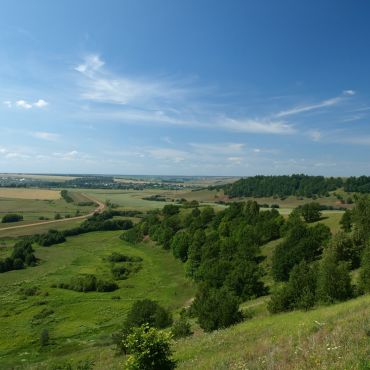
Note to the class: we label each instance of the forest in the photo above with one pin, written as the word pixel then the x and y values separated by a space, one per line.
pixel 297 184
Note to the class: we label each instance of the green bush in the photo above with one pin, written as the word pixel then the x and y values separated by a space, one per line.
pixel 11 217
pixel 149 349
pixel 216 308
pixel 181 328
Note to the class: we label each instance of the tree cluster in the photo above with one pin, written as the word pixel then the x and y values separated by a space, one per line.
pixel 22 255
pixel 220 252
pixel 268 186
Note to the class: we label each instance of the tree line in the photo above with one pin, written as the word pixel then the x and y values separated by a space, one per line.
pixel 297 185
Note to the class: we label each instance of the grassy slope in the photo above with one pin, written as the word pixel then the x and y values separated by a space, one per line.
pixel 334 337
pixel 81 320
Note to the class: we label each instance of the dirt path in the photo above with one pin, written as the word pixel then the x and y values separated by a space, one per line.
pixel 99 209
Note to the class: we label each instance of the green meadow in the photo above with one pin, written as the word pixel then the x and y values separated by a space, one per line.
pixel 79 319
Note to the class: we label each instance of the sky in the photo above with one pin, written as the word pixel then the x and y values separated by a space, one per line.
pixel 195 87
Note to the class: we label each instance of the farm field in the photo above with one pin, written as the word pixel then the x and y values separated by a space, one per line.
pixel 28 193
pixel 81 319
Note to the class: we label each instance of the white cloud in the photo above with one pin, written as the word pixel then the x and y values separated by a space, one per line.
pixel 258 126
pixel 307 108
pixel 45 135
pixel 349 92
pixel 41 103
pixel 23 104
pixel 92 64
pixel 100 85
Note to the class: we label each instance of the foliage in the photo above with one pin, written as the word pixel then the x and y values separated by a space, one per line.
pixel 298 293
pixel 268 186
pixel 50 238
pixel 364 280
pixel 346 221
pixel 22 255
pixel 149 349
pixel 311 212
pixel 216 308
pixel 44 338
pixel 88 283
pixel 142 312
pixel 11 217
pixel 181 328
pixel 65 195
pixel 334 280
pixel 301 243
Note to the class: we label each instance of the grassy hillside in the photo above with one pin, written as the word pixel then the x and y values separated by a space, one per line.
pixel 77 320
pixel 335 337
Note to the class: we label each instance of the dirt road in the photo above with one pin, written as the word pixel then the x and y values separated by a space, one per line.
pixel 99 209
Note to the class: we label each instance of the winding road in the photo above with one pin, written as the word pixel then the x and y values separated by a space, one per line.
pixel 99 209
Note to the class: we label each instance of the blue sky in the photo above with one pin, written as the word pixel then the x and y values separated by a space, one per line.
pixel 191 87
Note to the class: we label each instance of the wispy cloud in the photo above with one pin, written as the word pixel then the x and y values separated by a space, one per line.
pixel 168 154
pixel 50 136
pixel 100 85
pixel 258 126
pixel 349 92
pixel 307 108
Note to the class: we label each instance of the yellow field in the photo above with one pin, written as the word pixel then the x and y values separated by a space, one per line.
pixel 20 193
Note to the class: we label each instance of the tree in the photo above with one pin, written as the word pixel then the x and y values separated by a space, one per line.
pixel 364 281
pixel 343 248
pixel 11 217
pixel 180 245
pixel 311 212
pixel 346 221
pixel 298 293
pixel 334 280
pixel 149 349
pixel 216 308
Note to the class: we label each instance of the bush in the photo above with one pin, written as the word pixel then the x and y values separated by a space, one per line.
pixel 334 280
pixel 142 312
pixel 50 238
pixel 11 217
pixel 88 283
pixel 149 349
pixel 181 328
pixel 216 308
pixel 364 281
pixel 298 293
pixel 44 338
pixel 311 212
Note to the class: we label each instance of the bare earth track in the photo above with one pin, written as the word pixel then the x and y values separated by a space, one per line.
pixel 99 209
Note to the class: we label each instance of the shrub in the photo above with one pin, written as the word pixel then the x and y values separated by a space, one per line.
pixel 142 312
pixel 181 328
pixel 51 237
pixel 44 338
pixel 11 217
pixel 88 283
pixel 334 280
pixel 149 349
pixel 364 281
pixel 216 308
pixel 298 293
pixel 311 212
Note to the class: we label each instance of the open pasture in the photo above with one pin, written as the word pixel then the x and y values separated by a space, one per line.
pixel 81 319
